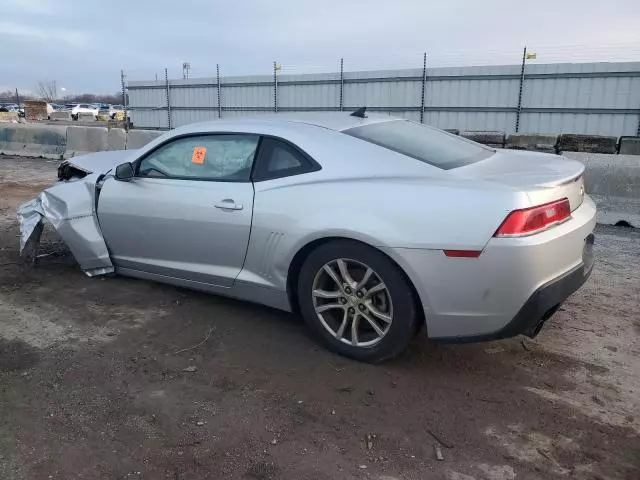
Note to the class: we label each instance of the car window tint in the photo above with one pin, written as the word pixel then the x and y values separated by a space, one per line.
pixel 203 157
pixel 281 159
pixel 424 143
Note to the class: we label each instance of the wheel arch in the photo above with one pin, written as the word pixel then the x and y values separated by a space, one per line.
pixel 303 253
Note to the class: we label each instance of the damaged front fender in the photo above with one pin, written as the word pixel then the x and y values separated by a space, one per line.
pixel 71 208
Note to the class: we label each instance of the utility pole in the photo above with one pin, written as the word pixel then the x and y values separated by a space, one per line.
pixel 17 98
pixel 55 91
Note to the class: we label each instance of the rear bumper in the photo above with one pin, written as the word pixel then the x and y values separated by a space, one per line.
pixel 520 278
pixel 541 306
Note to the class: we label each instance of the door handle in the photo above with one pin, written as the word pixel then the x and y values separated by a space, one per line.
pixel 228 204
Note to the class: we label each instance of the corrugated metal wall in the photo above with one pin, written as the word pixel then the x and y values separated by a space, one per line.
pixel 593 98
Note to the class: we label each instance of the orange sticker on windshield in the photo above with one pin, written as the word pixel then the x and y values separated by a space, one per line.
pixel 198 155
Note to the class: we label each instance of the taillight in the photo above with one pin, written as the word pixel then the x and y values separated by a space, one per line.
pixel 535 219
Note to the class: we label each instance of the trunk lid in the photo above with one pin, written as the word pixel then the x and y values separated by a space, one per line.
pixel 543 177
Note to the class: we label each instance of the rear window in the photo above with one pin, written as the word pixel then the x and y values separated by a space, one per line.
pixel 424 143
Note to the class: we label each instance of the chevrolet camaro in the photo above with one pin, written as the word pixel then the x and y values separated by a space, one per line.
pixel 368 226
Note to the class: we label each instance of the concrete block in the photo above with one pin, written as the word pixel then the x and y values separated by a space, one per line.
pixel 571 142
pixel 613 181
pixel 60 116
pixel 86 117
pixel 116 139
pixel 139 138
pixel 493 139
pixel 103 118
pixel 28 140
pixel 629 146
pixel 82 140
pixel 540 142
pixel 8 116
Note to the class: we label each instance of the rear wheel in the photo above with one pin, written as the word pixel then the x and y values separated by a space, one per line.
pixel 357 301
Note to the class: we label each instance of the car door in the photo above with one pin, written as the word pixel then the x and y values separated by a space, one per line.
pixel 187 211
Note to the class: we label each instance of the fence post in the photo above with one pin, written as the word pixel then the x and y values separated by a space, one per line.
pixel 524 60
pixel 341 84
pixel 218 78
pixel 424 86
pixel 166 82
pixel 124 101
pixel 275 87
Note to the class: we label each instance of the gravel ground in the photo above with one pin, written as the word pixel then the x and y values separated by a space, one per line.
pixel 115 378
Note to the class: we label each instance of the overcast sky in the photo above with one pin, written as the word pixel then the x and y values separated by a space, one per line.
pixel 83 44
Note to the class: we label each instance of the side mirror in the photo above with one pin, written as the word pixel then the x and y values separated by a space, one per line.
pixel 124 172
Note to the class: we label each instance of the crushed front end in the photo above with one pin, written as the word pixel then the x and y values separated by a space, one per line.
pixel 71 208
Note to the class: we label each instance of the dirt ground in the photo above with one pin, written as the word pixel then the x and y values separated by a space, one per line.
pixel 115 378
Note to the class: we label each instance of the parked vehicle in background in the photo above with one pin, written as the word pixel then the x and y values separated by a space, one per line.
pixel 9 107
pixel 369 226
pixel 110 110
pixel 115 110
pixel 83 108
pixel 105 110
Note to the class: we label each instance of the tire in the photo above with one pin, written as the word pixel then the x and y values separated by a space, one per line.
pixel 397 301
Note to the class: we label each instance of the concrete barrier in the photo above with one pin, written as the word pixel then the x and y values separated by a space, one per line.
pixel 613 181
pixel 629 146
pixel 8 116
pixel 82 140
pixel 116 139
pixel 60 116
pixel 84 117
pixel 139 138
pixel 538 142
pixel 571 142
pixel 492 139
pixel 103 118
pixel 46 141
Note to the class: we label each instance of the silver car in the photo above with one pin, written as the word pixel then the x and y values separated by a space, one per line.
pixel 367 225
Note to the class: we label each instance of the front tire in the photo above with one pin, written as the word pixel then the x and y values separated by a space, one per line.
pixel 357 301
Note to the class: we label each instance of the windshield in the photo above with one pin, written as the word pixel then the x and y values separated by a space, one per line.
pixel 424 143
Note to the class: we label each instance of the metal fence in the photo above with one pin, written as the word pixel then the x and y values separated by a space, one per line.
pixel 591 98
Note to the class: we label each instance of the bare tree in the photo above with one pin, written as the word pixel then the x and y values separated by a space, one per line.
pixel 47 90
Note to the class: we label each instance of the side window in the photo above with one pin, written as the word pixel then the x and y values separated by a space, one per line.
pixel 225 158
pixel 281 159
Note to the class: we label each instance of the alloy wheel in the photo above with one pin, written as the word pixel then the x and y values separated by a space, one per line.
pixel 352 302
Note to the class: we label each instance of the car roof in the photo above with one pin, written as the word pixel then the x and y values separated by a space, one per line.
pixel 338 121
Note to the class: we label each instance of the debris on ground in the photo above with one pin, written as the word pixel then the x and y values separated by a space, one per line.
pixel 438 451
pixel 369 441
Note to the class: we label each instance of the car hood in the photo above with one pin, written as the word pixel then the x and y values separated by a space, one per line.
pixel 100 162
